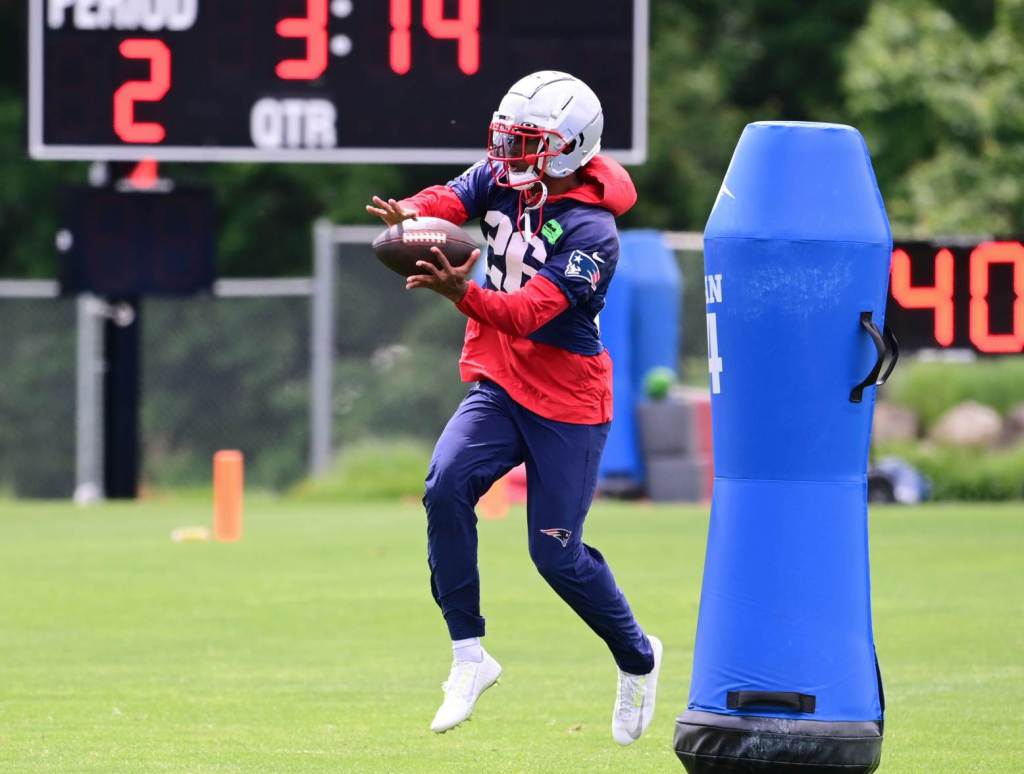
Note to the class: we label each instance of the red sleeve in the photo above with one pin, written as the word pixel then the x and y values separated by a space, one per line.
pixel 438 201
pixel 517 314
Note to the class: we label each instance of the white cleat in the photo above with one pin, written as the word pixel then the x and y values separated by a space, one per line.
pixel 465 683
pixel 634 701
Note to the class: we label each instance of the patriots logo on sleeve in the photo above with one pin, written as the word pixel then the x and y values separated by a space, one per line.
pixel 583 266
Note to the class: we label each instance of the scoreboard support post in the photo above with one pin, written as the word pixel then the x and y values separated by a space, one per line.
pixel 89 401
pixel 121 385
pixel 116 245
pixel 321 347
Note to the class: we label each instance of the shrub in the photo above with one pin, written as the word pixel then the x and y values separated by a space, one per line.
pixel 964 474
pixel 372 470
pixel 931 389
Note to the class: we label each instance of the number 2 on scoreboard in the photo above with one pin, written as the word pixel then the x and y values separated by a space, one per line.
pixel 153 90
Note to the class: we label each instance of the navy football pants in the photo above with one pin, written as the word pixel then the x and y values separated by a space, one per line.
pixel 489 435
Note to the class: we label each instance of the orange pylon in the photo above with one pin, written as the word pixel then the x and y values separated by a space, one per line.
pixel 494 504
pixel 145 175
pixel 228 484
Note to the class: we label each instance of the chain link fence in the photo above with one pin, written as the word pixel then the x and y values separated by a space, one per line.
pixel 216 372
pixel 225 373
pixel 395 353
pixel 37 397
pixel 234 370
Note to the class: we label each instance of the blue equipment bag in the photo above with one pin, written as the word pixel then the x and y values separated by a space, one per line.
pixel 797 252
pixel 621 471
pixel 640 326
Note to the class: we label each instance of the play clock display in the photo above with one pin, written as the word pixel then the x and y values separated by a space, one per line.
pixel 315 80
pixel 958 296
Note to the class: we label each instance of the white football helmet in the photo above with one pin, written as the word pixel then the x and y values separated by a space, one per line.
pixel 549 123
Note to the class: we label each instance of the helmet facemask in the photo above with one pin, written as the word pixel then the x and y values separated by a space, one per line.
pixel 519 154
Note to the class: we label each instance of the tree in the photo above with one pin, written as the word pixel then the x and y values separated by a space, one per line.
pixel 715 67
pixel 691 127
pixel 942 106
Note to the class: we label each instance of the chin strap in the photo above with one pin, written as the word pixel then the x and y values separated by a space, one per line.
pixel 525 208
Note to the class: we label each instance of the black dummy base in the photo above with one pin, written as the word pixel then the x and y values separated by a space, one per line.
pixel 708 743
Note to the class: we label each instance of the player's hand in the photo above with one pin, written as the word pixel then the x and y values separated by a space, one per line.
pixel 450 281
pixel 390 211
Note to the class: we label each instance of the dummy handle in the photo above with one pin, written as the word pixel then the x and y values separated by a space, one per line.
pixel 798 702
pixel 894 352
pixel 887 346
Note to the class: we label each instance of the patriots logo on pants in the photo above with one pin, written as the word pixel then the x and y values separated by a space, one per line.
pixel 584 267
pixel 561 535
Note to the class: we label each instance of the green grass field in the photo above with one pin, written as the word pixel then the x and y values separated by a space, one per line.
pixel 314 645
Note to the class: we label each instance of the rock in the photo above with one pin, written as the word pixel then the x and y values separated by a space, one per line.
pixel 894 423
pixel 969 424
pixel 1013 430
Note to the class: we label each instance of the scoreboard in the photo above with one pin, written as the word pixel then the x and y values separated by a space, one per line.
pixel 958 296
pixel 119 245
pixel 410 81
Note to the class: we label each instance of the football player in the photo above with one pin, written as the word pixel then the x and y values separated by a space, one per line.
pixel 547 203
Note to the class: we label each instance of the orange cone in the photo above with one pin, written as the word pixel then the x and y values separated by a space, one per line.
pixel 228 482
pixel 145 175
pixel 494 504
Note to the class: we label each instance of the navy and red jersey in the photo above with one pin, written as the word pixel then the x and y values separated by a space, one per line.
pixel 533 325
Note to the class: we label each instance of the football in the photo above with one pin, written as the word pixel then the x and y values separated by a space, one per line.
pixel 400 247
